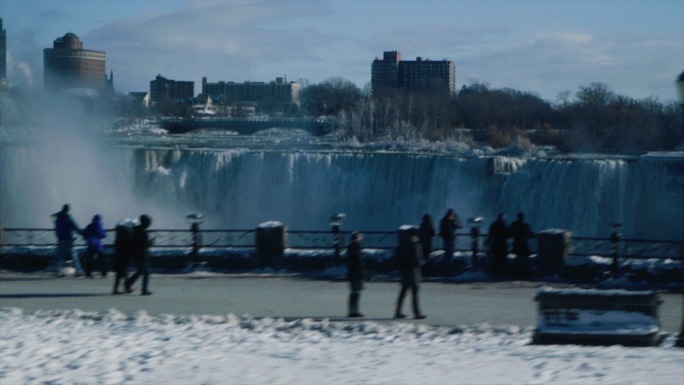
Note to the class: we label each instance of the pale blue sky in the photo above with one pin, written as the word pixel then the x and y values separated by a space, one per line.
pixel 636 47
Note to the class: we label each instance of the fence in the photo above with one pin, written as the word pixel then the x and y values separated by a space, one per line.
pixel 303 239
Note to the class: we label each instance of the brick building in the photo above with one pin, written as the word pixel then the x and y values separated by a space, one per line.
pixel 67 65
pixel 420 75
pixel 279 90
pixel 167 90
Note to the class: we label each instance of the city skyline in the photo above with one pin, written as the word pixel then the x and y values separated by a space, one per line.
pixel 633 47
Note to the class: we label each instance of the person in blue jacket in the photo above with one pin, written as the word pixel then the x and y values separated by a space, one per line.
pixel 94 233
pixel 64 230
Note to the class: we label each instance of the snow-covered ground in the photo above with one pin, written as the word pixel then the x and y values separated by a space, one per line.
pixel 76 347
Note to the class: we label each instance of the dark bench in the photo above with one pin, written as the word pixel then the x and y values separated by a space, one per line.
pixel 597 317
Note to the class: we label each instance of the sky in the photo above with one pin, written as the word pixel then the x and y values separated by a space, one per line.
pixel 545 47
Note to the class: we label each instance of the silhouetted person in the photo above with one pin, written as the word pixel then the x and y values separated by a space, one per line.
pixel 447 230
pixel 426 232
pixel 409 259
pixel 65 227
pixel 122 253
pixel 356 273
pixel 94 233
pixel 498 244
pixel 521 233
pixel 140 244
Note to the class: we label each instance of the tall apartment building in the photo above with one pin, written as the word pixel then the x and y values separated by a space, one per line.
pixel 3 52
pixel 68 65
pixel 418 75
pixel 163 89
pixel 279 90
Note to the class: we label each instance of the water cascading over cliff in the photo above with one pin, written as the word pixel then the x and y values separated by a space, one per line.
pixel 377 191
pixel 386 190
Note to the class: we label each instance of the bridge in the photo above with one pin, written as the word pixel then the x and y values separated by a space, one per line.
pixel 246 126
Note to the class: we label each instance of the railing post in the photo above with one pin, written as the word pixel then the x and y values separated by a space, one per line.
pixel 336 223
pixel 195 220
pixel 475 236
pixel 615 246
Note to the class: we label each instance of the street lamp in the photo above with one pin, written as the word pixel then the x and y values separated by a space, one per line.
pixel 194 220
pixel 680 94
pixel 336 223
pixel 475 223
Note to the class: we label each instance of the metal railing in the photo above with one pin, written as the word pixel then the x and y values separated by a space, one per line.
pixel 384 240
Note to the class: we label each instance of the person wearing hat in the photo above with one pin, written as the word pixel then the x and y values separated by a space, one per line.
pixel 356 273
pixel 140 243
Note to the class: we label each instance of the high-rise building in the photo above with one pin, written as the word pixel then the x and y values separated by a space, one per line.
pixel 68 65
pixel 167 90
pixel 3 52
pixel 385 72
pixel 420 75
pixel 279 90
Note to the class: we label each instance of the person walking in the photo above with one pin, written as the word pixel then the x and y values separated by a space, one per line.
pixel 356 273
pixel 139 246
pixel 521 233
pixel 409 260
pixel 122 251
pixel 94 233
pixel 498 243
pixel 426 232
pixel 447 231
pixel 65 227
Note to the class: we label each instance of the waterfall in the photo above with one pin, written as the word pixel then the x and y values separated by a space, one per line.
pixel 241 188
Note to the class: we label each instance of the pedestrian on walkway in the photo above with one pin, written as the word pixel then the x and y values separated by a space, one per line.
pixel 122 252
pixel 426 232
pixel 65 227
pixel 139 246
pixel 497 240
pixel 409 260
pixel 356 273
pixel 447 230
pixel 94 233
pixel 521 233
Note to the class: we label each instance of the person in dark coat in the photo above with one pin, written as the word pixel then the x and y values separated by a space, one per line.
pixel 448 226
pixel 498 244
pixel 140 244
pixel 65 227
pixel 94 233
pixel 521 233
pixel 426 232
pixel 122 246
pixel 356 273
pixel 409 260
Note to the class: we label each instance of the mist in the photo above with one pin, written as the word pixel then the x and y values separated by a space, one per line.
pixel 60 155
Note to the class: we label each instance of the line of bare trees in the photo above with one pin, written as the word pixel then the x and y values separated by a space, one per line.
pixel 594 119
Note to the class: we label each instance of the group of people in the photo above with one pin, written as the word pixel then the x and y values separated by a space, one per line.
pixel 131 245
pixel 415 246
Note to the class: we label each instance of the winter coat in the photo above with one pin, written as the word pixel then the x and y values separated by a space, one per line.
pixel 65 226
pixel 521 233
pixel 448 227
pixel 426 232
pixel 93 234
pixel 498 234
pixel 356 269
pixel 409 254
pixel 140 242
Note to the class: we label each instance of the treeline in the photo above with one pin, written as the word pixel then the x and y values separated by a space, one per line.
pixel 594 119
